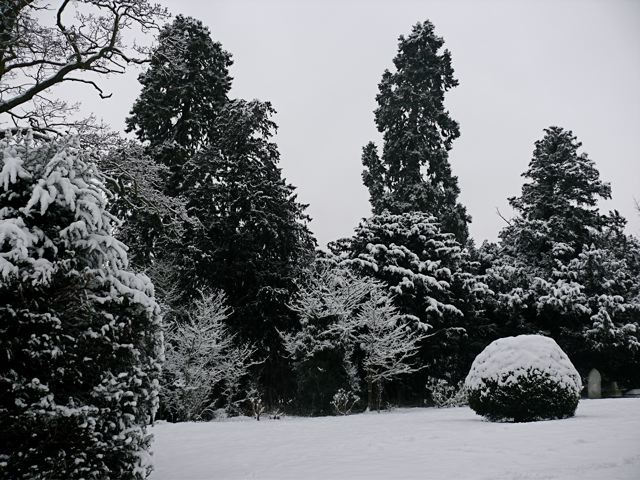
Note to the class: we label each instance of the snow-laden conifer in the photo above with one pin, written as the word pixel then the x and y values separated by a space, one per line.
pixel 413 173
pixel 566 270
pixel 80 334
pixel 183 90
pixel 429 274
pixel 246 232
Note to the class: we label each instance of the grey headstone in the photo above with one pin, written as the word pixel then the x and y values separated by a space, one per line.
pixel 594 385
pixel 614 390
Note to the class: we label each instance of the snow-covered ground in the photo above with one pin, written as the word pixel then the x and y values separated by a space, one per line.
pixel 601 442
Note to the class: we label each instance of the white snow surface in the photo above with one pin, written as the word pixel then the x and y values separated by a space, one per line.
pixel 505 360
pixel 601 442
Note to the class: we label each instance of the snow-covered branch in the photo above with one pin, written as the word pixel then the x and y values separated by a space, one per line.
pixel 202 358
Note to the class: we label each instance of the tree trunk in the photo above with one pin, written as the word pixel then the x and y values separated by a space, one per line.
pixel 369 394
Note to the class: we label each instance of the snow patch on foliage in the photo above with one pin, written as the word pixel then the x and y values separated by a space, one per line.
pixel 58 250
pixel 508 359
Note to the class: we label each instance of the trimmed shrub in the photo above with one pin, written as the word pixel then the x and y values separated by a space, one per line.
pixel 523 379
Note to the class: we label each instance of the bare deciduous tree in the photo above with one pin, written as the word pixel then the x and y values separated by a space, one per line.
pixel 341 310
pixel 153 219
pixel 202 357
pixel 326 307
pixel 387 343
pixel 43 44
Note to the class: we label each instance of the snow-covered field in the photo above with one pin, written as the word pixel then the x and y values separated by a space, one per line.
pixel 601 442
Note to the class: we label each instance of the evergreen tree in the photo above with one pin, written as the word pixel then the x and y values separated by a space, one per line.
pixel 183 90
pixel 431 277
pixel 247 233
pixel 251 238
pixel 79 333
pixel 414 173
pixel 608 334
pixel 373 175
pixel 566 270
pixel 557 210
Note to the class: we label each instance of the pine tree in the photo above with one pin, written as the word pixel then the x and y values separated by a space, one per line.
pixel 251 240
pixel 247 233
pixel 557 210
pixel 373 175
pixel 566 270
pixel 430 276
pixel 79 333
pixel 414 173
pixel 609 281
pixel 183 90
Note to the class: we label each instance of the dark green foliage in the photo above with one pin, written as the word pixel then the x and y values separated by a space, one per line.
pixel 79 333
pixel 431 277
pixel 536 396
pixel 246 233
pixel 415 240
pixel 558 206
pixel 318 379
pixel 566 270
pixel 414 172
pixel 183 91
pixel 373 174
pixel 251 238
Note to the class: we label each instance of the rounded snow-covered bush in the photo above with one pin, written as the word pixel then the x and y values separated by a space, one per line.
pixel 523 379
pixel 80 334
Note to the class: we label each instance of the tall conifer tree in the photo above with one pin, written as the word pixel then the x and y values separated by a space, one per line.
pixel 414 173
pixel 251 238
pixel 566 270
pixel 558 205
pixel 415 240
pixel 183 91
pixel 248 233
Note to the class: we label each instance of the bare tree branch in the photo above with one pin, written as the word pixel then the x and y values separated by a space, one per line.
pixel 500 215
pixel 90 82
pixel 82 36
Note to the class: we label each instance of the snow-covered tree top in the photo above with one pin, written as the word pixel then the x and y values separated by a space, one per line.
pixel 61 179
pixel 507 359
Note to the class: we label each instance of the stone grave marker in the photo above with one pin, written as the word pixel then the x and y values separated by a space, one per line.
pixel 594 384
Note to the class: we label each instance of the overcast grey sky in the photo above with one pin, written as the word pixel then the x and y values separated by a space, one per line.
pixel 522 66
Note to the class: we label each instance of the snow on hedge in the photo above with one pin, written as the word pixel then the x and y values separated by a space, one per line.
pixel 508 359
pixel 80 333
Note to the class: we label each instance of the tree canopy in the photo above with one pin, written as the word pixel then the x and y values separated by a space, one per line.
pixel 413 173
